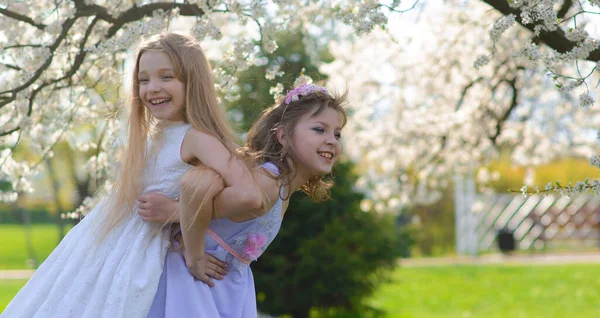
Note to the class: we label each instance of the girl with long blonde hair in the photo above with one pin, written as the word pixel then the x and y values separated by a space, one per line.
pixel 109 265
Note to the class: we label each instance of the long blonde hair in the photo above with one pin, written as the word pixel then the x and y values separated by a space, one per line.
pixel 201 109
pixel 262 144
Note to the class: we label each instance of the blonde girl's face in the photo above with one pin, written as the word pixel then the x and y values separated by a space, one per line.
pixel 316 142
pixel 159 88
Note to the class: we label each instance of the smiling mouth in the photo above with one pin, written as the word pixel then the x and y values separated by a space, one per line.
pixel 327 155
pixel 159 101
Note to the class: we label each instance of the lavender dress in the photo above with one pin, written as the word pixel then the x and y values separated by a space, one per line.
pixel 179 295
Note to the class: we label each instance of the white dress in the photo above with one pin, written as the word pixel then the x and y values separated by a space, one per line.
pixel 119 276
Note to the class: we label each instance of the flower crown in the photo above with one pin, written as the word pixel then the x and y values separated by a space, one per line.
pixel 303 90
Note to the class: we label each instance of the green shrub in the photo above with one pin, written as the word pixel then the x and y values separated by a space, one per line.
pixel 39 214
pixel 328 256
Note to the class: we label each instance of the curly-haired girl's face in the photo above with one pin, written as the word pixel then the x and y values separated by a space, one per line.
pixel 316 142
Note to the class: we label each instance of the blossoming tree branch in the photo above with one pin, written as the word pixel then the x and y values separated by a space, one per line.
pixel 61 61
pixel 563 27
pixel 440 116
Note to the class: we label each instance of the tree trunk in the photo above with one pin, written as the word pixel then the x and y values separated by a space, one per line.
pixel 26 214
pixel 82 186
pixel 56 190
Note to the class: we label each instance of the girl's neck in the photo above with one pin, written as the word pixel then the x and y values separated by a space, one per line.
pixel 298 179
pixel 167 123
pixel 157 128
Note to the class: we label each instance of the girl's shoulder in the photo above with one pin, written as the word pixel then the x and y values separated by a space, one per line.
pixel 196 133
pixel 196 141
pixel 195 136
pixel 266 177
pixel 200 136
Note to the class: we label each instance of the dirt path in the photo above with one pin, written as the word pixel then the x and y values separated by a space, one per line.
pixel 519 259
pixel 16 274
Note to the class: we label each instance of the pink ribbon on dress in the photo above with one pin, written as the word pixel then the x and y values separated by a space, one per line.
pixel 228 248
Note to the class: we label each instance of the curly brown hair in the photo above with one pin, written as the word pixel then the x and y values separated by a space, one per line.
pixel 263 146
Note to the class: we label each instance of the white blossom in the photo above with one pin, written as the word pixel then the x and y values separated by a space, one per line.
pixel 277 91
pixel 577 35
pixel 302 79
pixel 205 27
pixel 586 100
pixel 501 25
pixel 595 161
pixel 524 191
pixel 570 87
pixel 270 46
pixel 274 71
pixel 481 61
pixel 531 52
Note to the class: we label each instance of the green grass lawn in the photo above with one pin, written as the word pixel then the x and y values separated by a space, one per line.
pixel 444 291
pixel 8 288
pixel 474 291
pixel 13 251
pixel 492 291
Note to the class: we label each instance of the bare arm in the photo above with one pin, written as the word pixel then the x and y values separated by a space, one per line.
pixel 200 186
pixel 159 208
pixel 237 177
pixel 156 207
pixel 224 207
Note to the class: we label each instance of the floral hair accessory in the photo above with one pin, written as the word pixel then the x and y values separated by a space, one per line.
pixel 303 90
